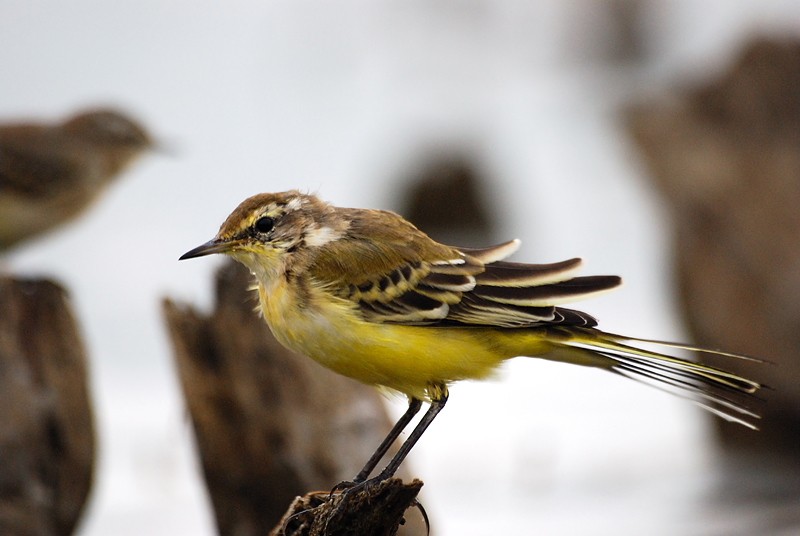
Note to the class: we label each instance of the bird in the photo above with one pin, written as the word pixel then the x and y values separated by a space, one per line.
pixel 50 173
pixel 368 295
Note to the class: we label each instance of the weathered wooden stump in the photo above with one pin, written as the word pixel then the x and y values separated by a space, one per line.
pixel 46 430
pixel 726 157
pixel 270 424
pixel 377 511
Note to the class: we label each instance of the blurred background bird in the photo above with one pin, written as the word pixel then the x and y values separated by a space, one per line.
pixel 50 173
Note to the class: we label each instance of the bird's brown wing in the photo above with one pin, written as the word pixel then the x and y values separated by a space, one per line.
pixel 32 162
pixel 396 274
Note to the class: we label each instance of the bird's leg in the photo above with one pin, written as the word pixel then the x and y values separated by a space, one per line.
pixel 438 393
pixel 414 404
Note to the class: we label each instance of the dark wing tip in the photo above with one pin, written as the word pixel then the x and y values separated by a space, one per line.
pixel 574 289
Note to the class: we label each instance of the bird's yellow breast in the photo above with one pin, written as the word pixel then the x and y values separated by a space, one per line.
pixel 404 358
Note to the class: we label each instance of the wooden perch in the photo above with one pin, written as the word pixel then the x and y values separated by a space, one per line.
pixel 270 424
pixel 46 431
pixel 376 511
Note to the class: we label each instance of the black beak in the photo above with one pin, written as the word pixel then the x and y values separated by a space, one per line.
pixel 215 245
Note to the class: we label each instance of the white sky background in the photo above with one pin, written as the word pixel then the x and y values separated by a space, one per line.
pixel 341 98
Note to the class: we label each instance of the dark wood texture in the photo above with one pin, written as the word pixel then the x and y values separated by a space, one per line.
pixel 46 429
pixel 376 511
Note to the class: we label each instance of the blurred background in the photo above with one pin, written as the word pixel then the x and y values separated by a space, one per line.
pixel 520 103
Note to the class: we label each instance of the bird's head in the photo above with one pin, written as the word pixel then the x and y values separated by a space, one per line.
pixel 108 128
pixel 266 229
pixel 113 137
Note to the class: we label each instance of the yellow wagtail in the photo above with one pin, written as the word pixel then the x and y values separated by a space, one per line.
pixel 368 295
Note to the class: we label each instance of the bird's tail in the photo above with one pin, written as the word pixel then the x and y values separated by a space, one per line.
pixel 723 393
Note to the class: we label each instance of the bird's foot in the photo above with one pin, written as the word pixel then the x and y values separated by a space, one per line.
pixel 344 491
pixel 345 485
pixel 348 488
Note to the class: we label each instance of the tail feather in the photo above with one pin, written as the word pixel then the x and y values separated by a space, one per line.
pixel 673 364
pixel 708 407
pixel 729 402
pixel 681 346
pixel 718 391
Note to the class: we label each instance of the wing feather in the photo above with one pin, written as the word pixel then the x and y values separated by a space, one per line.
pixel 439 294
pixel 474 310
pixel 394 273
pixel 574 289
pixel 459 283
pixel 33 166
pixel 493 253
pixel 459 299
pixel 512 274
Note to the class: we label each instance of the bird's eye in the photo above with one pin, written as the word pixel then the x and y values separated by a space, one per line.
pixel 265 224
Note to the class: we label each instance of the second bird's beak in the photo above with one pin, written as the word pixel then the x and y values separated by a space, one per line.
pixel 215 245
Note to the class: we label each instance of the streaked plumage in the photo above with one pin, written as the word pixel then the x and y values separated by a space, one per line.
pixel 368 295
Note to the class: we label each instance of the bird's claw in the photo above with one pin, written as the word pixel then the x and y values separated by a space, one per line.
pixel 346 489
pixel 345 485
